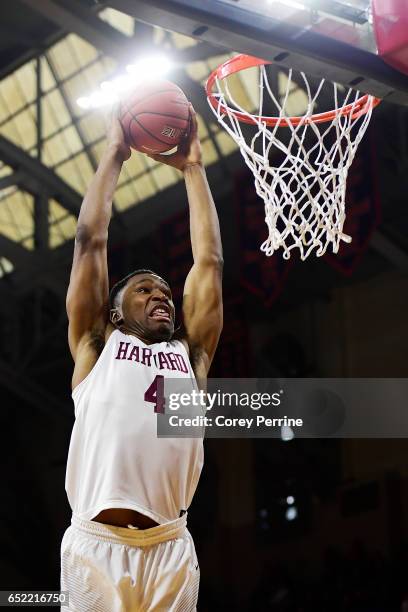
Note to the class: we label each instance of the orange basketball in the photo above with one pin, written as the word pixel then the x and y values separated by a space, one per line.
pixel 155 117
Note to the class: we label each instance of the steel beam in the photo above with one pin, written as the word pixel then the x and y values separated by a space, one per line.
pixel 52 268
pixel 261 36
pixel 199 52
pixel 45 178
pixel 71 15
pixel 41 224
pixel 11 180
pixel 75 122
pixel 14 252
pixel 70 109
pixel 74 17
pixel 40 200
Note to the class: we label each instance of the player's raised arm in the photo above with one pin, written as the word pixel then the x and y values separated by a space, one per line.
pixel 202 301
pixel 87 297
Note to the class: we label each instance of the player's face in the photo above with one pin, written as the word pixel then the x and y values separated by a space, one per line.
pixel 148 308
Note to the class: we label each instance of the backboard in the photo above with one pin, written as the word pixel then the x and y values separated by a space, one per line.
pixel 334 39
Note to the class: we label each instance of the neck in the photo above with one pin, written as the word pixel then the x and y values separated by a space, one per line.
pixel 142 334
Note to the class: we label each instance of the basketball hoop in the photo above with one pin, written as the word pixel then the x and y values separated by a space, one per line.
pixel 304 194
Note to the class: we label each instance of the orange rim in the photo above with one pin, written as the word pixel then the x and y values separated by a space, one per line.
pixel 241 62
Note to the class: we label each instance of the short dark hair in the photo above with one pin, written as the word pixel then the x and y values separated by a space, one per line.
pixel 120 284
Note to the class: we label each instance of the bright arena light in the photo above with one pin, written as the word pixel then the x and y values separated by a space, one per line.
pixel 150 67
pixel 119 85
pixel 291 513
pixel 83 102
pixel 290 500
pixel 291 3
pixel 110 92
pixel 287 433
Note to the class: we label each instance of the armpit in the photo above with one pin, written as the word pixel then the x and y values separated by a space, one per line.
pixel 97 340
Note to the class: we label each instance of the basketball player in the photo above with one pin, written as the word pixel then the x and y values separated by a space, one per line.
pixel 128 547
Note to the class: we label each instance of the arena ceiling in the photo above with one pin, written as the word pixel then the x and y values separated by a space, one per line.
pixel 69 140
pixel 45 68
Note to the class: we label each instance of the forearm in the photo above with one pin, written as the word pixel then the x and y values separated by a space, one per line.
pixel 96 209
pixel 204 224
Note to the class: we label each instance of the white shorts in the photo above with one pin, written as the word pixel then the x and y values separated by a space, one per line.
pixel 116 569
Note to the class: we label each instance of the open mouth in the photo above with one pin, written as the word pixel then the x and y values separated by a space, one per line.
pixel 161 313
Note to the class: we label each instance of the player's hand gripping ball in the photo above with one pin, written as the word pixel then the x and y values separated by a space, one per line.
pixel 155 117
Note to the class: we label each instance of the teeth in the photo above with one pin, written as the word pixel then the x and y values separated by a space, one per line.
pixel 160 311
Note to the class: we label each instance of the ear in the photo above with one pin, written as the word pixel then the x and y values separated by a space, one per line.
pixel 115 316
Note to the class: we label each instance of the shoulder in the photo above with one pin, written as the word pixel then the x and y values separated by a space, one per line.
pixel 108 332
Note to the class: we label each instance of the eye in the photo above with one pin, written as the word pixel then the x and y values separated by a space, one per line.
pixel 167 293
pixel 142 290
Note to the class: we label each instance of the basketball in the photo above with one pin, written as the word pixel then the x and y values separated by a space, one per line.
pixel 155 117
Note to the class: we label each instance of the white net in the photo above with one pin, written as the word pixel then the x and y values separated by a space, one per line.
pixel 300 166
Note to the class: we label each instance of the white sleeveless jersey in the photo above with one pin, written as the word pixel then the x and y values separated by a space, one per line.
pixel 115 458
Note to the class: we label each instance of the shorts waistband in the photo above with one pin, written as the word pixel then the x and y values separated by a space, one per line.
pixel 132 537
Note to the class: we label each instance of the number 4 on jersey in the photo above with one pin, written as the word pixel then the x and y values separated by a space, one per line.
pixel 155 394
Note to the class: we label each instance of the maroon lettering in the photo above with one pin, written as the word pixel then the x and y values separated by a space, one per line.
pixel 171 359
pixel 181 363
pixel 163 362
pixel 146 356
pixel 122 351
pixel 168 361
pixel 134 354
pixel 155 394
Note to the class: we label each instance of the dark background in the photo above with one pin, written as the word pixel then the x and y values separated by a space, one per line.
pixel 337 316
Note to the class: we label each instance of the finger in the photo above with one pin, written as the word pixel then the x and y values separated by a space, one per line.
pixel 112 114
pixel 110 118
pixel 193 121
pixel 164 159
pixel 106 114
pixel 190 133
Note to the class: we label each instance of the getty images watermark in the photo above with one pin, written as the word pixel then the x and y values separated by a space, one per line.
pixel 284 408
pixel 207 401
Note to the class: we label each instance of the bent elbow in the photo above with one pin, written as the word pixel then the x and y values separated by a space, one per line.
pixel 220 262
pixel 88 239
pixel 212 261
